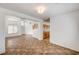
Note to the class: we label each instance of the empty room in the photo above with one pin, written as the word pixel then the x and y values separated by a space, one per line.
pixel 39 28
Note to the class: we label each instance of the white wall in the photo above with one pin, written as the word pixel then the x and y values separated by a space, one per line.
pixel 65 30
pixel 2 36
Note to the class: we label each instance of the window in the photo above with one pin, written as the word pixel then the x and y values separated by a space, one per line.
pixel 12 23
pixel 12 29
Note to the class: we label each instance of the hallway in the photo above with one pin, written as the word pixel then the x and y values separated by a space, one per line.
pixel 27 45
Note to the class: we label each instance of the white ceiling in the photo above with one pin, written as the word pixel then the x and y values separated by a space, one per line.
pixel 51 8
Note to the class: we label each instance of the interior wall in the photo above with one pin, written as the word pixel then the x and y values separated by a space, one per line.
pixel 65 30
pixel 2 35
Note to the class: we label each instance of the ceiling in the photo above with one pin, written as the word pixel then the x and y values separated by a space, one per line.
pixel 51 8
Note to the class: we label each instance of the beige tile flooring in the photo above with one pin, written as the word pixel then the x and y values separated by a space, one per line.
pixel 27 45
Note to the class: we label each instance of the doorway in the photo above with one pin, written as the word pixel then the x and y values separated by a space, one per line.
pixel 46 30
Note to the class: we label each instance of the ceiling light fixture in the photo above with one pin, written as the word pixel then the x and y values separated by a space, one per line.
pixel 40 9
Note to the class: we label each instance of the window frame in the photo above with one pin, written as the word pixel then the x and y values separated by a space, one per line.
pixel 13 29
pixel 13 23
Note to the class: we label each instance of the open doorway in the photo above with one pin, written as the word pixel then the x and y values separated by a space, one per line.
pixel 46 30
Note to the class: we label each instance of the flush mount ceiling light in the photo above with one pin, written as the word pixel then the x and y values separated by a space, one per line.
pixel 41 9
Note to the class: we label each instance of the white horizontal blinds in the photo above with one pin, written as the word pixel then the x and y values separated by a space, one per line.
pixel 13 24
pixel 12 29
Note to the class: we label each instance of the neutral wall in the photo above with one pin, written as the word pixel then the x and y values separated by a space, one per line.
pixel 2 36
pixel 65 30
